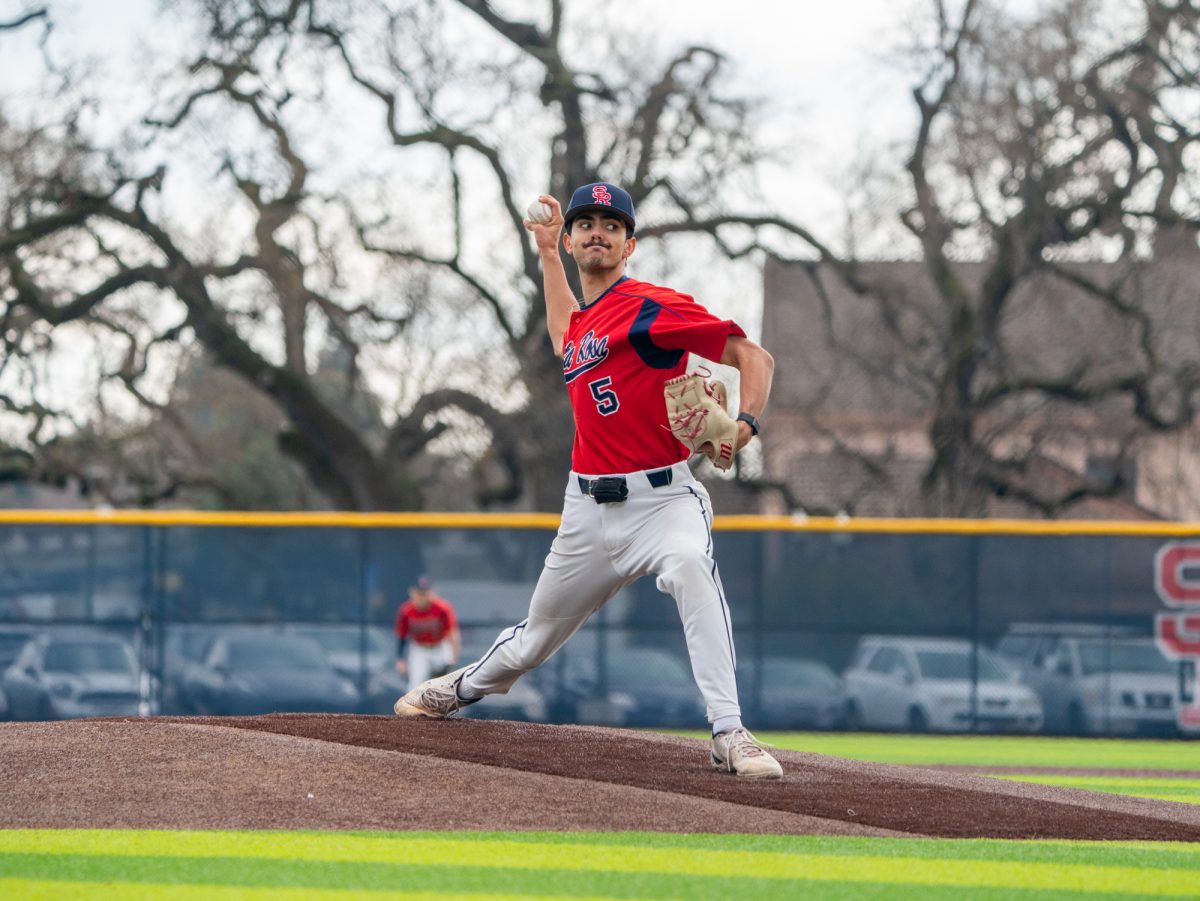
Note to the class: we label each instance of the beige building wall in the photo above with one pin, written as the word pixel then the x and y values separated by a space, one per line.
pixel 848 425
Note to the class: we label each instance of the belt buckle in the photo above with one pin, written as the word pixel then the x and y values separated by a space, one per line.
pixel 608 489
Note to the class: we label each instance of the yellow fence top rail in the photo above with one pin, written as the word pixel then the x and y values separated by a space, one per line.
pixel 551 520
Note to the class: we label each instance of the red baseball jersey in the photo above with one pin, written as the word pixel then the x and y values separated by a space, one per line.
pixel 617 353
pixel 428 626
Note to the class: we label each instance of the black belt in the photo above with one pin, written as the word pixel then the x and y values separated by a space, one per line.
pixel 613 489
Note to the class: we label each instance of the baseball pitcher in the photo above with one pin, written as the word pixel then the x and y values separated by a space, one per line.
pixel 631 506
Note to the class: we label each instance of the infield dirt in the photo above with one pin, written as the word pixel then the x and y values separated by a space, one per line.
pixel 323 771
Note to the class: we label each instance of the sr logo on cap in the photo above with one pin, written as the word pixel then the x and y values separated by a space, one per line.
pixel 601 196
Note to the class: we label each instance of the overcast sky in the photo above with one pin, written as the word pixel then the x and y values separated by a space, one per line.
pixel 823 66
pixel 819 64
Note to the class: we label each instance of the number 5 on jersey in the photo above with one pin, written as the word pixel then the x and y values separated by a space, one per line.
pixel 605 397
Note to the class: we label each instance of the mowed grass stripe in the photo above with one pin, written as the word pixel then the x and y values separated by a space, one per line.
pixel 1144 855
pixel 51 890
pixel 228 852
pixel 993 750
pixel 1185 786
pixel 458 881
pixel 20 890
pixel 1184 791
pixel 393 847
pixel 463 878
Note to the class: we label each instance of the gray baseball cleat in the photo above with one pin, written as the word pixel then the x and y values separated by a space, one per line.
pixel 437 698
pixel 739 752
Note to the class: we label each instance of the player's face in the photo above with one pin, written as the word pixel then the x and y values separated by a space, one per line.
pixel 422 598
pixel 598 242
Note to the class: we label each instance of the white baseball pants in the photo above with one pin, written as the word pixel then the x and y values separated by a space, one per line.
pixel 599 549
pixel 424 659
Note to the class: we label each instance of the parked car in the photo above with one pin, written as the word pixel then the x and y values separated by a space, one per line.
pixel 795 693
pixel 924 684
pixel 344 646
pixel 72 673
pixel 1092 682
pixel 184 648
pixel 639 687
pixel 253 671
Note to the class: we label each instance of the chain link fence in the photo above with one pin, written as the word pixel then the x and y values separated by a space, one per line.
pixel 956 627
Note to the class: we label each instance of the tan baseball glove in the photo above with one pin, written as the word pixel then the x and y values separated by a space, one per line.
pixel 697 417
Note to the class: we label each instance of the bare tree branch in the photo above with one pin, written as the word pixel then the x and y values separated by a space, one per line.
pixel 13 24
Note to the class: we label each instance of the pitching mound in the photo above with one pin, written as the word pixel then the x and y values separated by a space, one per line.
pixel 317 771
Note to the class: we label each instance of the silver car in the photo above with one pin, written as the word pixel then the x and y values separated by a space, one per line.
pixel 1092 683
pixel 74 673
pixel 935 685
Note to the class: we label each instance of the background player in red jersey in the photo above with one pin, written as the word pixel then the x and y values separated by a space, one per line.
pixel 427 635
pixel 632 506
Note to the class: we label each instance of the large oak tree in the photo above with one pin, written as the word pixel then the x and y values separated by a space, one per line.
pixel 321 180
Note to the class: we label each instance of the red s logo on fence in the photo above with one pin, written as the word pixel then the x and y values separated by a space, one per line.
pixel 1177 583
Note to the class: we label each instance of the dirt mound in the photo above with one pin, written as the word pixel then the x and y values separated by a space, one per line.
pixel 320 771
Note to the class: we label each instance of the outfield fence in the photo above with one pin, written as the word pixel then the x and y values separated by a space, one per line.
pixel 879 624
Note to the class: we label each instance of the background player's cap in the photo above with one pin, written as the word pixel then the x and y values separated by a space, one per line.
pixel 424 583
pixel 602 197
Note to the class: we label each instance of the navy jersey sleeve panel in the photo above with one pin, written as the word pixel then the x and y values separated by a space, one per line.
pixel 684 325
pixel 639 338
pixel 669 327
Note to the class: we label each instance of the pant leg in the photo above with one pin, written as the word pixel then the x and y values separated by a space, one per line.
pixel 577 580
pixel 420 664
pixel 681 557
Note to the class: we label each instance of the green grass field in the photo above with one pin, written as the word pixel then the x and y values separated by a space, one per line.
pixel 1021 751
pixel 141 864
pixel 69 864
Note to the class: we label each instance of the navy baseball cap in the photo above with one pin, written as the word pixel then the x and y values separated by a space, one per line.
pixel 600 197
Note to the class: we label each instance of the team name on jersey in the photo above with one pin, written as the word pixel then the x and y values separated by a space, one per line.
pixel 591 353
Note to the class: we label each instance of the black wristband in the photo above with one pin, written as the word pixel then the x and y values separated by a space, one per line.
pixel 750 421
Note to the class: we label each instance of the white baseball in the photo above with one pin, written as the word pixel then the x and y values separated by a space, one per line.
pixel 540 212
